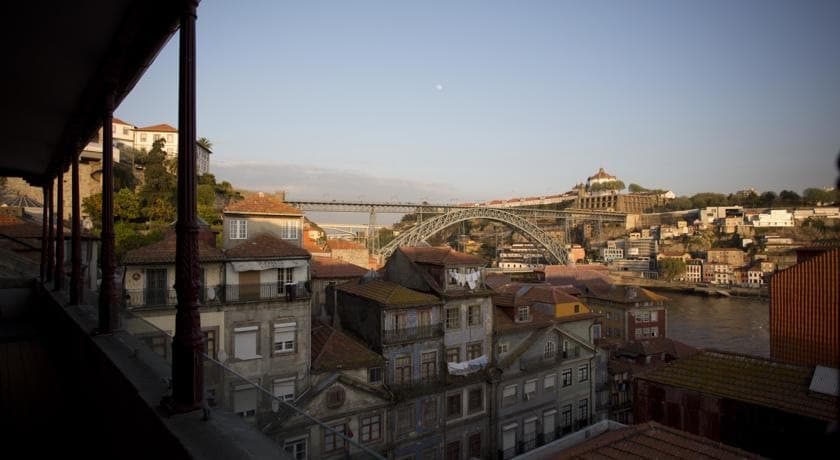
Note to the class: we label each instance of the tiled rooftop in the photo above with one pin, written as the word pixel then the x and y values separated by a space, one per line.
pixel 163 127
pixel 440 256
pixel 389 294
pixel 749 379
pixel 163 252
pixel 265 246
pixel 625 295
pixel 262 203
pixel 651 441
pixel 343 244
pixel 328 268
pixel 503 320
pixel 334 350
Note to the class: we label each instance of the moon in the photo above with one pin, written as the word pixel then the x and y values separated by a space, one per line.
pixel 439 86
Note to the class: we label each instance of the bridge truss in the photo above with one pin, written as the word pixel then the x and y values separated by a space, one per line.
pixel 555 251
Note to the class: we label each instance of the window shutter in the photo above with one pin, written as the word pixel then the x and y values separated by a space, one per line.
pixel 244 398
pixel 245 342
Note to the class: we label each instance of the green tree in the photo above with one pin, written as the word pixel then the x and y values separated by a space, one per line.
pixel 160 184
pixel 636 188
pixel 767 199
pixel 670 269
pixel 704 199
pixel 160 210
pixel 789 198
pixel 126 205
pixel 92 206
pixel 816 196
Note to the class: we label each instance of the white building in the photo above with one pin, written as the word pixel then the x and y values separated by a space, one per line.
pixel 774 218
pixel 145 137
pixel 693 272
pixel 609 254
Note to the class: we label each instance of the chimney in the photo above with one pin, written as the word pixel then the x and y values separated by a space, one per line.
pixel 281 195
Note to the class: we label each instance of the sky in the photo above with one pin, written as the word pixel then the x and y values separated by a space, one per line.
pixel 474 100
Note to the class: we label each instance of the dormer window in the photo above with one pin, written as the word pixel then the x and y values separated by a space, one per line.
pixel 523 314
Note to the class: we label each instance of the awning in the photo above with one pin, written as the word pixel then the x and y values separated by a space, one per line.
pixel 266 265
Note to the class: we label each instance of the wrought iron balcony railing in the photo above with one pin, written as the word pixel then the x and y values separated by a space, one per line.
pixel 214 295
pixel 409 334
pixel 536 362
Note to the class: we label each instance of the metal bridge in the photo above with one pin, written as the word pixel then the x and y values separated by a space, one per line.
pixel 555 251
pixel 444 215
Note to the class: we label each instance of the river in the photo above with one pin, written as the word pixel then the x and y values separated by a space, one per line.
pixel 740 325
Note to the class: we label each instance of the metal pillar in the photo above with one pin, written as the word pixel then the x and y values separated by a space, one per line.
pixel 373 237
pixel 50 235
pixel 76 288
pixel 188 344
pixel 45 191
pixel 59 233
pixel 108 318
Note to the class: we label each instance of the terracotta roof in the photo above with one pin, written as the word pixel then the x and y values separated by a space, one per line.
pixel 312 246
pixel 496 280
pixel 163 127
pixel 651 441
pixel 261 203
pixel 656 346
pixel 120 122
pixel 548 294
pixel 265 246
pixel 163 252
pixel 440 255
pixel 334 350
pixel 389 294
pixel 579 276
pixel 503 320
pixel 625 295
pixel 328 268
pixel 749 379
pixel 18 227
pixel 344 244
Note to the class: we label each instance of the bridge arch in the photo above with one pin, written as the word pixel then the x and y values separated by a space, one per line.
pixel 555 251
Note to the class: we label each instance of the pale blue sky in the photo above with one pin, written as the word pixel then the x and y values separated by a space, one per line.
pixel 341 99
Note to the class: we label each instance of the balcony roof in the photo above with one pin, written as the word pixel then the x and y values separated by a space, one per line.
pixel 63 61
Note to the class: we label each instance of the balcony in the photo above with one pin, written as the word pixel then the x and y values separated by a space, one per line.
pixel 217 295
pixel 539 362
pixel 411 334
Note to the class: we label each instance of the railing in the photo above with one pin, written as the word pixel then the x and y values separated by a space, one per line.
pixel 228 391
pixel 536 362
pixel 213 295
pixel 412 333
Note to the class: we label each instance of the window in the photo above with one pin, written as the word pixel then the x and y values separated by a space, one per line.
pixel 284 337
pixel 453 405
pixel 577 308
pixel 405 419
pixel 428 366
pixel 453 450
pixel 530 389
pixel 371 428
pixel 169 138
pixel 245 400
pixel 583 373
pixel 289 229
pixel 453 355
pixel 400 321
pixel 550 350
pixel 502 347
pixel 567 377
pixel 238 229
pixel 284 277
pixel 332 441
pixel 523 314
pixel 475 446
pixel 402 370
pixel 335 397
pixel 157 137
pixel 549 381
pixel 474 350
pixel 210 347
pixel 583 411
pixel 509 395
pixel 424 318
pixel 296 447
pixel 283 389
pixel 509 440
pixel 430 412
pixel 566 416
pixel 375 375
pixel 643 317
pixel 475 400
pixel 156 287
pixel 453 318
pixel 142 137
pixel 245 342
pixel 474 315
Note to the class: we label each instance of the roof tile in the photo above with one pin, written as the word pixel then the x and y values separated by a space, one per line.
pixel 265 246
pixel 328 268
pixel 389 294
pixel 261 203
